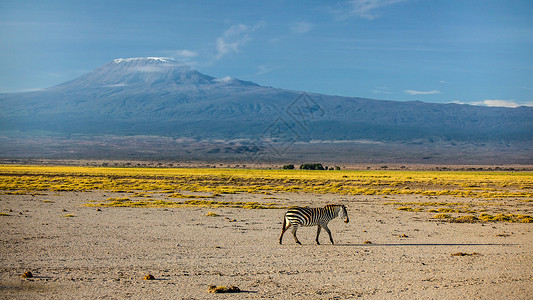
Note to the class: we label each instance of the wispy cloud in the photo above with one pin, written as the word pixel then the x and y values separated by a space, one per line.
pixel 21 90
pixel 413 92
pixel 301 27
pixel 496 103
pixel 263 70
pixel 183 55
pixel 116 85
pixel 382 90
pixel 234 38
pixel 366 9
pixel 186 53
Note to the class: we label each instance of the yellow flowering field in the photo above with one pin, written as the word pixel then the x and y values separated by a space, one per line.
pixel 487 187
pixel 484 185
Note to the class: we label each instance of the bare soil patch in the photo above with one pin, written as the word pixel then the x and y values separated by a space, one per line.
pixel 107 252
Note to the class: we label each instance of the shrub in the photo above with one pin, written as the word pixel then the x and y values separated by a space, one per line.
pixel 288 167
pixel 311 167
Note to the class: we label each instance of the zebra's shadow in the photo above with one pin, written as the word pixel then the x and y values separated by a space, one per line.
pixel 421 244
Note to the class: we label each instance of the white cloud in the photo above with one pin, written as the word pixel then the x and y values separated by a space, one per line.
pixel 186 53
pixel 382 90
pixel 116 85
pixel 413 92
pixel 263 70
pixel 234 38
pixel 183 55
pixel 224 80
pixel 367 9
pixel 501 103
pixel 496 103
pixel 301 27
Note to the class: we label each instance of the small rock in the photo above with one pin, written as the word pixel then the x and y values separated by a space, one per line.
pixel 27 275
pixel 223 289
pixel 149 277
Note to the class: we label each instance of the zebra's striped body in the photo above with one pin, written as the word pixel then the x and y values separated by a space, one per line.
pixel 304 216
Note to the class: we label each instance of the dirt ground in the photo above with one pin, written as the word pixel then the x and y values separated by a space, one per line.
pixel 79 252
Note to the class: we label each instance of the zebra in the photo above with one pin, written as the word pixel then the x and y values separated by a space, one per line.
pixel 304 216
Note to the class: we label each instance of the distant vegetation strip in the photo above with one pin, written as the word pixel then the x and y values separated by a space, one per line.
pixel 484 185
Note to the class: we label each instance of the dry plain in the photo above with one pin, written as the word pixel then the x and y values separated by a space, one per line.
pixel 79 249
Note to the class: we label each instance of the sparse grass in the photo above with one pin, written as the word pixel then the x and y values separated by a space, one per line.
pixel 513 218
pixel 484 185
pixel 442 216
pixel 407 208
pixel 16 193
pixel 112 199
pixel 140 194
pixel 464 208
pixel 179 195
pixel 466 219
pixel 464 254
pixel 212 214
pixel 3 214
pixel 222 289
pixel 122 202
pixel 203 186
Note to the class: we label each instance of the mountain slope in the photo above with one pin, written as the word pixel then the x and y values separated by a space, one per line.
pixel 157 96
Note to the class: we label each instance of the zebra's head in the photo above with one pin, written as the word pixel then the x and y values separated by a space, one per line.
pixel 344 214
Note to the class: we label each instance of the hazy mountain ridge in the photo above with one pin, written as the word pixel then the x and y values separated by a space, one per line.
pixel 155 96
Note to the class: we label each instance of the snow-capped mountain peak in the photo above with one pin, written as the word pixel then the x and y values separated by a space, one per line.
pixel 144 74
pixel 143 59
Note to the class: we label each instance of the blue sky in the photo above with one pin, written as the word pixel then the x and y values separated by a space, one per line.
pixel 478 52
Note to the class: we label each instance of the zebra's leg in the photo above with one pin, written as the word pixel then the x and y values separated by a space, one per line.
pixel 294 234
pixel 317 234
pixel 329 232
pixel 284 229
